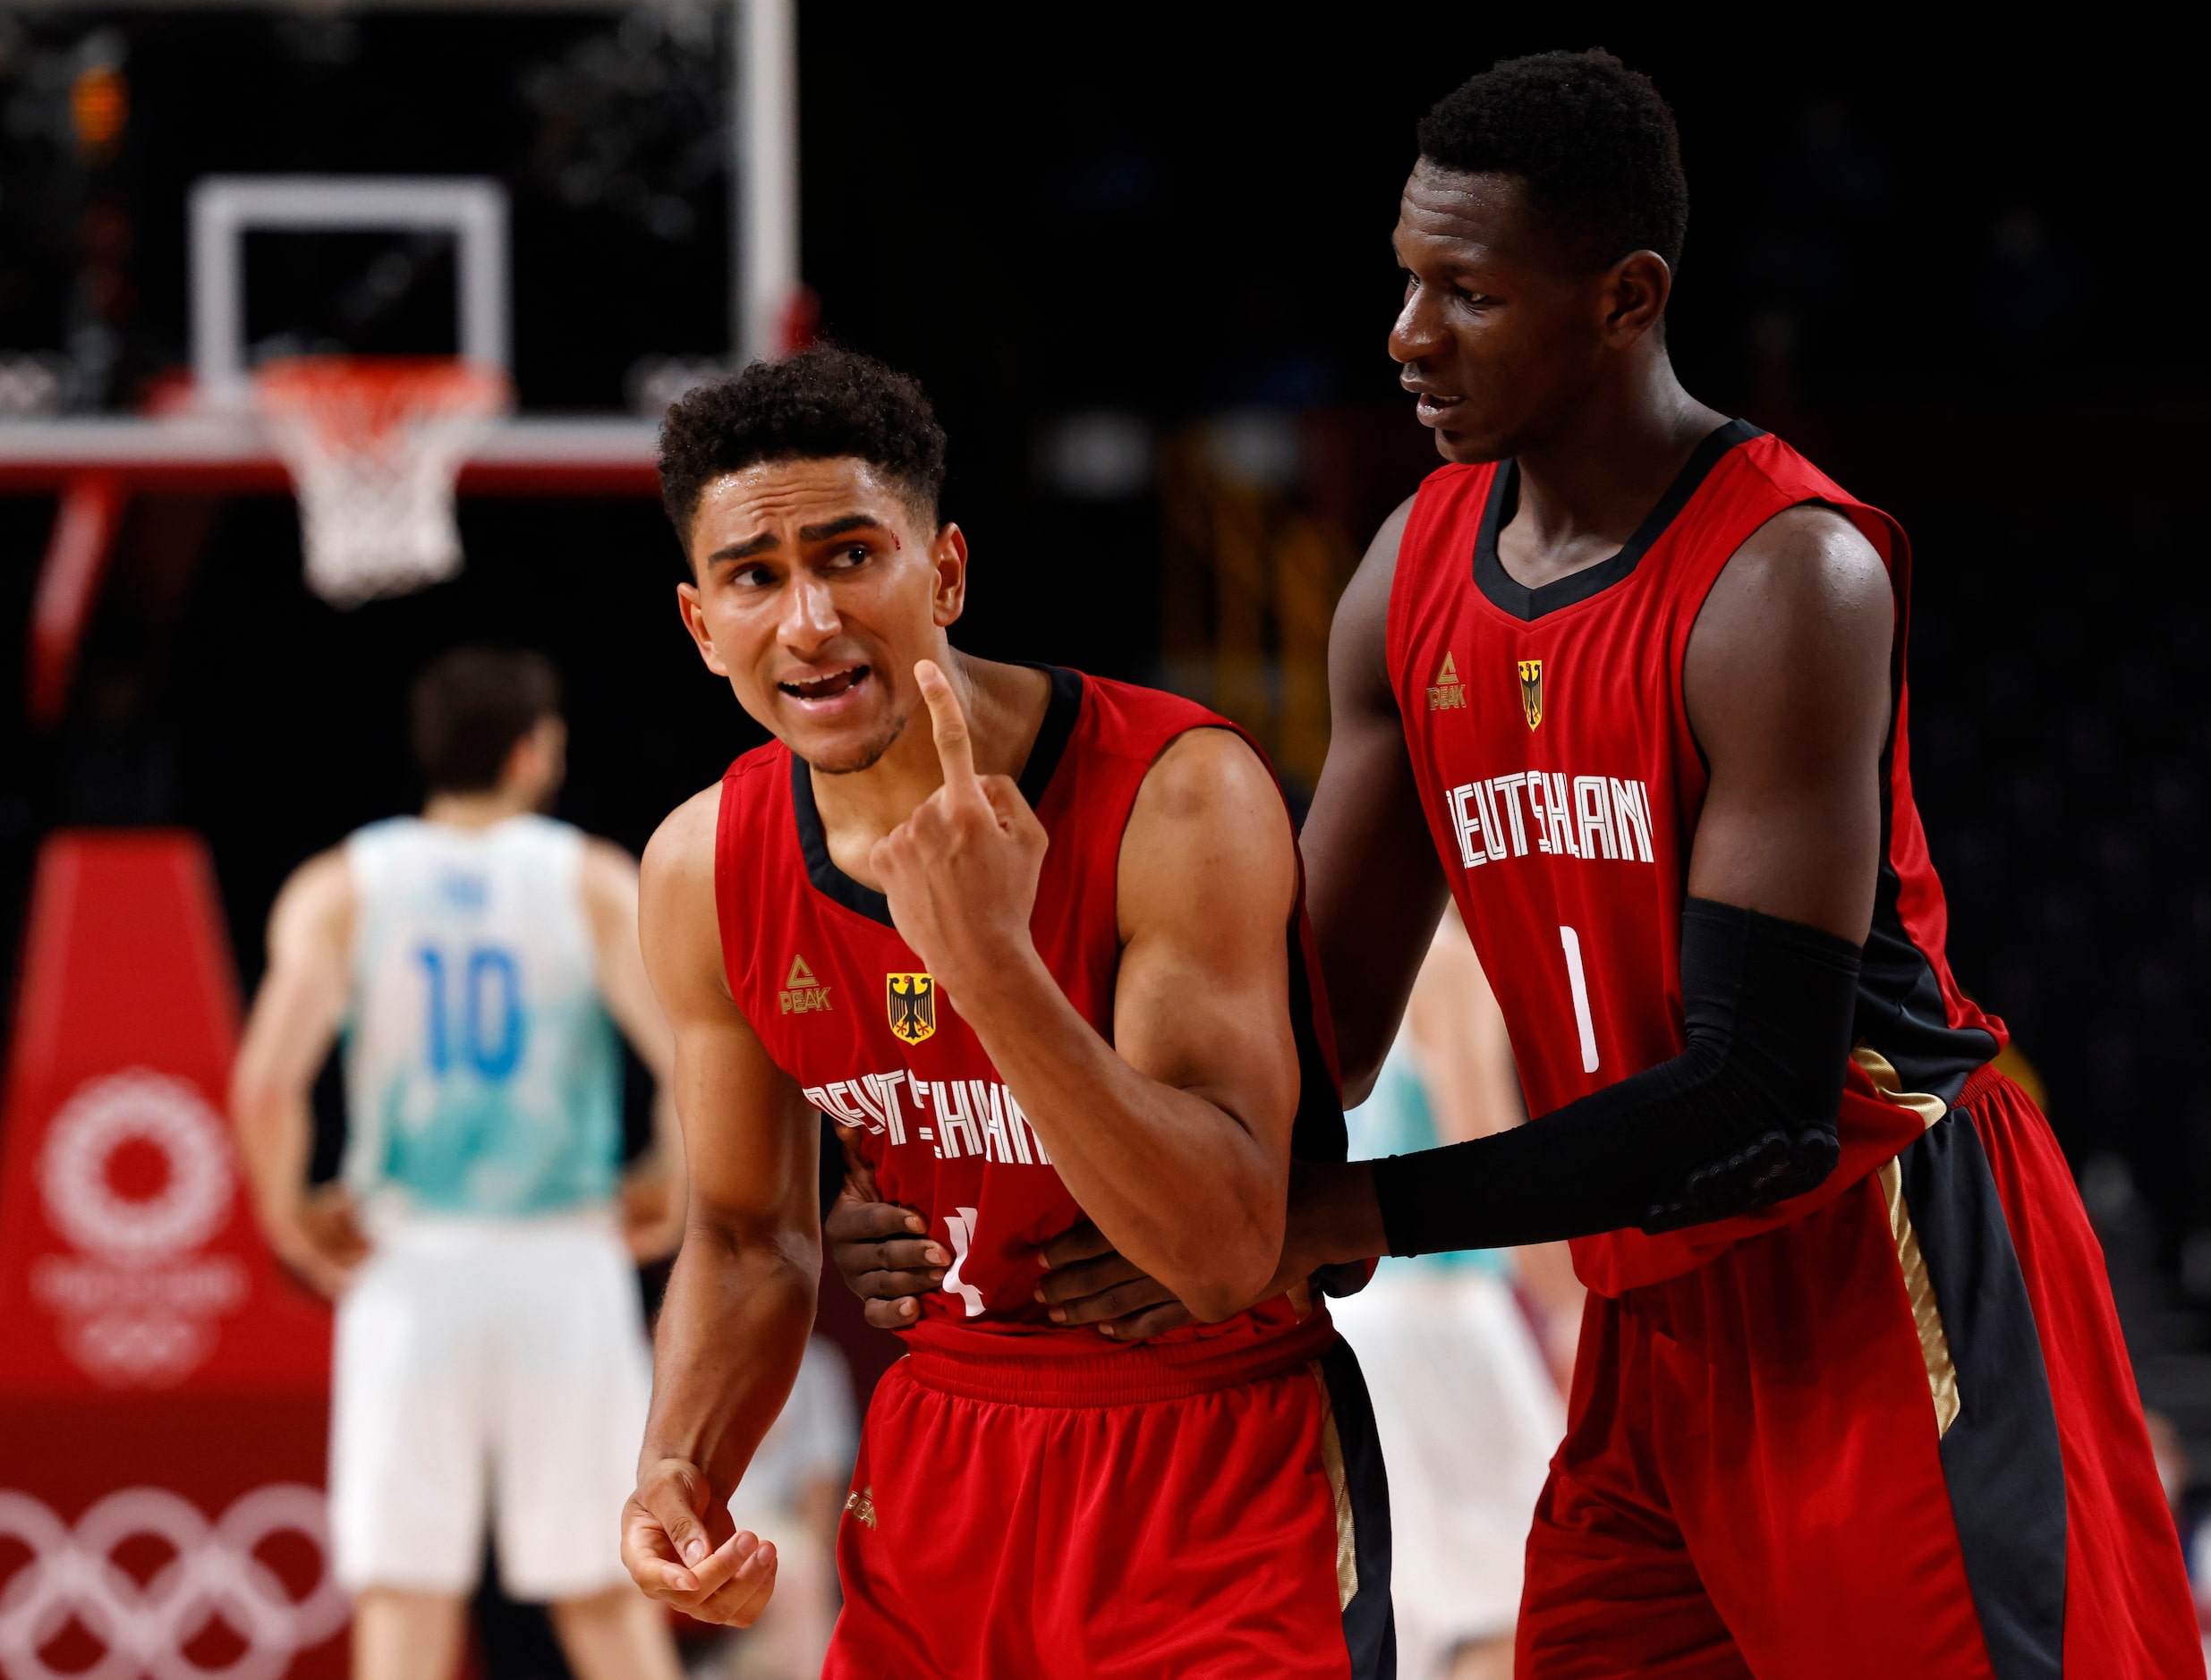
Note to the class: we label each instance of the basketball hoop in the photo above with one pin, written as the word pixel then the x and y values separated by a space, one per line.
pixel 375 445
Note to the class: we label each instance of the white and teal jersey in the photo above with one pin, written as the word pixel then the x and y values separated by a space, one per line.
pixel 482 1075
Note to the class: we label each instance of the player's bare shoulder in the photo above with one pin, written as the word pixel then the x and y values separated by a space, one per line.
pixel 1807 569
pixel 1359 637
pixel 324 879
pixel 682 848
pixel 606 867
pixel 316 903
pixel 1805 606
pixel 677 920
pixel 606 882
pixel 1208 819
pixel 1205 774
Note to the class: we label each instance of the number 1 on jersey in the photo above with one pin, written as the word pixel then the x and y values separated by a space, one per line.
pixel 1571 942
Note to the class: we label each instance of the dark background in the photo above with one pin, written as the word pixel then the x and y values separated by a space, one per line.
pixel 1957 274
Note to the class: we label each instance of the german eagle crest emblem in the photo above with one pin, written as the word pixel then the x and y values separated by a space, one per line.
pixel 912 1001
pixel 1532 691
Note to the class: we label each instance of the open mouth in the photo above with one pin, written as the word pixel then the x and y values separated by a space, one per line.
pixel 1433 402
pixel 833 686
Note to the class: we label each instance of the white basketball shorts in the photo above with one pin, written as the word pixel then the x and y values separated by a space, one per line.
pixel 1467 1417
pixel 488 1369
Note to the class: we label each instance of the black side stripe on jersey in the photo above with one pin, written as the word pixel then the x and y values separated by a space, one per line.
pixel 1062 708
pixel 1369 1624
pixel 1317 1132
pixel 2000 1457
pixel 1901 1011
pixel 1527 604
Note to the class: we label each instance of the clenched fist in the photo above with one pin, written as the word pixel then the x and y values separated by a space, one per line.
pixel 670 1545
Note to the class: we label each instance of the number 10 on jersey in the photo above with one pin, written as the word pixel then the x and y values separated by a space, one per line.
pixel 490 1025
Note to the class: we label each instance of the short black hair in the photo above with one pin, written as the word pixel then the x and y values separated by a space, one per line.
pixel 469 708
pixel 820 403
pixel 1593 140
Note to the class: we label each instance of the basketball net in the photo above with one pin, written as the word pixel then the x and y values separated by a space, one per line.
pixel 375 446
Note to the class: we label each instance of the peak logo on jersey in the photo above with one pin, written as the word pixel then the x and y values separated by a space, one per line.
pixel 861 1503
pixel 912 1001
pixel 1532 691
pixel 1447 693
pixel 801 994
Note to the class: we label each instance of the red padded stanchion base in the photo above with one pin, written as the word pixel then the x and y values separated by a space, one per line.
pixel 163 1385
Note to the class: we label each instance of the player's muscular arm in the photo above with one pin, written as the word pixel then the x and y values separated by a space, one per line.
pixel 1787 685
pixel 293 1023
pixel 1787 682
pixel 1373 885
pixel 652 1189
pixel 741 1300
pixel 1208 883
pixel 1174 1138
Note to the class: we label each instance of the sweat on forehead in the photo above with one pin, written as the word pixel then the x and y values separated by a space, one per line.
pixel 1489 210
pixel 764 506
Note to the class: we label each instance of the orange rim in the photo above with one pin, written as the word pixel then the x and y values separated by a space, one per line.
pixel 368 397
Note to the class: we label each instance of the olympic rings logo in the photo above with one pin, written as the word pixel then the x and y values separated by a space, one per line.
pixel 212 1574
pixel 139 1105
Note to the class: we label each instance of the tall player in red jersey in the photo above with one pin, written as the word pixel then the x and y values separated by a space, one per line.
pixel 1041 950
pixel 1851 1398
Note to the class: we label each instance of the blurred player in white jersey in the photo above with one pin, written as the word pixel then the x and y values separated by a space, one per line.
pixel 491 1362
pixel 1467 1396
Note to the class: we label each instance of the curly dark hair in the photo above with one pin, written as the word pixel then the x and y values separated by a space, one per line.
pixel 1592 138
pixel 821 402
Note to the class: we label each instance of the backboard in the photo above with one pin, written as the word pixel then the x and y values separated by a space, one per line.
pixel 201 432
pixel 600 199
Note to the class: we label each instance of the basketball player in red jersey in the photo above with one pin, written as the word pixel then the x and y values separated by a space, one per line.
pixel 1851 1397
pixel 1041 953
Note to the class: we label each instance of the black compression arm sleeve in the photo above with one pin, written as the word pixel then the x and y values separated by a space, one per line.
pixel 1743 1117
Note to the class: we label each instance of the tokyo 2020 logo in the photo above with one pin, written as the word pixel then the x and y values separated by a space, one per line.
pixel 136 1107
pixel 138 1306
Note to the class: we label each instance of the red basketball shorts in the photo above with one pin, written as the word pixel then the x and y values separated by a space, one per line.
pixel 1899 1438
pixel 1023 1516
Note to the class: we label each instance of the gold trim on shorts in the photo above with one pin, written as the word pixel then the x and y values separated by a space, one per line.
pixel 1890 1084
pixel 1340 1485
pixel 1927 1314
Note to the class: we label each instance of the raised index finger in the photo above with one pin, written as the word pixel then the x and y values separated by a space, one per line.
pixel 948 723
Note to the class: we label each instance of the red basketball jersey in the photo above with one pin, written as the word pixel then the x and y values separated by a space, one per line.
pixel 843 1007
pixel 1552 750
